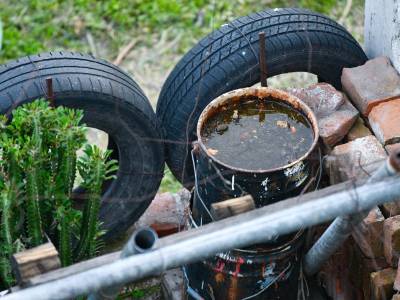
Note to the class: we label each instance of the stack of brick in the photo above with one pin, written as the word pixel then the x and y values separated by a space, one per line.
pixel 358 129
pixel 373 258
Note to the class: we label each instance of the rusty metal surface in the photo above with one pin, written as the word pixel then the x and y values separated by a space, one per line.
pixel 269 273
pixel 269 270
pixel 261 93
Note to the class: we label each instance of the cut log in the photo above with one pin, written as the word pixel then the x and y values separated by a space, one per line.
pixel 232 207
pixel 35 261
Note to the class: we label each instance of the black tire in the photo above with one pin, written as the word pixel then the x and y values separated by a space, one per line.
pixel 297 40
pixel 111 102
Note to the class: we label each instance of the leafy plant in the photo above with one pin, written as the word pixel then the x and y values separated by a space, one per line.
pixel 38 167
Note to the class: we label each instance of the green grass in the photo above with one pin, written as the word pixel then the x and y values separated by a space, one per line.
pixel 32 26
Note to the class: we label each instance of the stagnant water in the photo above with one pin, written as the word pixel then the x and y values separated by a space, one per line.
pixel 257 135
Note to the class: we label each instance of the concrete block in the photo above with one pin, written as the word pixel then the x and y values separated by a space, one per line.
pixel 370 84
pixel 382 27
pixel 391 244
pixel 385 122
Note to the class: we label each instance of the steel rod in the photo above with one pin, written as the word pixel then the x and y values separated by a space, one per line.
pixel 242 230
pixel 50 91
pixel 263 64
pixel 340 229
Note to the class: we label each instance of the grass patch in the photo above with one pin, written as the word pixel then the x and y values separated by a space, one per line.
pixel 32 26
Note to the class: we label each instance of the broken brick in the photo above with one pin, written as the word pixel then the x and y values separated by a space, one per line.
pixel 396 284
pixel 385 122
pixel 358 130
pixel 382 284
pixel 390 209
pixel 166 213
pixel 391 244
pixel 334 112
pixel 370 84
pixel 355 159
pixel 392 148
pixel 360 269
pixel 368 234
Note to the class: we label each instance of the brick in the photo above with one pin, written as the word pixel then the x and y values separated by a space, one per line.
pixel 355 159
pixel 335 274
pixel 360 269
pixel 370 84
pixel 385 122
pixel 166 213
pixel 392 148
pixel 335 114
pixel 396 284
pixel 368 234
pixel 391 209
pixel 382 284
pixel 358 130
pixel 391 244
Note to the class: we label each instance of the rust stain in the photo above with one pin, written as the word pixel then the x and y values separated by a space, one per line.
pixel 219 278
pixel 232 291
pixel 261 93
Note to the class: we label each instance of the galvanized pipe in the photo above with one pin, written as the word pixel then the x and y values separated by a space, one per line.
pixel 340 229
pixel 141 241
pixel 253 227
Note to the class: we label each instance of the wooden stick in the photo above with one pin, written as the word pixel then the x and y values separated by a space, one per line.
pixel 35 261
pixel 232 207
pixel 50 92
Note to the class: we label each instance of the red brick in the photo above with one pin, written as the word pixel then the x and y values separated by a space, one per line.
pixel 382 284
pixel 355 159
pixel 391 209
pixel 385 122
pixel 335 114
pixel 368 234
pixel 360 269
pixel 166 214
pixel 391 245
pixel 396 284
pixel 358 130
pixel 370 84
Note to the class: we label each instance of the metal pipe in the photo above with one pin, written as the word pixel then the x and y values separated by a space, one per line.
pixel 340 229
pixel 141 241
pixel 253 227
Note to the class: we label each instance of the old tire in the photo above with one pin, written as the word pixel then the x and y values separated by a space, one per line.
pixel 297 40
pixel 111 102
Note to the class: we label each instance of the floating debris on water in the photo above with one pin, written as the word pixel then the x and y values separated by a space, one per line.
pixel 257 135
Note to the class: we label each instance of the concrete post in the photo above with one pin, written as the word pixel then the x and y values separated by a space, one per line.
pixel 382 29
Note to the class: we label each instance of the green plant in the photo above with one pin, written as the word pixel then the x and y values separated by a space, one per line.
pixel 38 167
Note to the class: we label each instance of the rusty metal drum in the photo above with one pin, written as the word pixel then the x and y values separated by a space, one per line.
pixel 268 271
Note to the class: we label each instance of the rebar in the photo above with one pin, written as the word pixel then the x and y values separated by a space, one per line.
pixel 250 228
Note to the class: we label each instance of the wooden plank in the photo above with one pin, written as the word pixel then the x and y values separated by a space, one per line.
pixel 232 207
pixel 35 261
pixel 76 268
